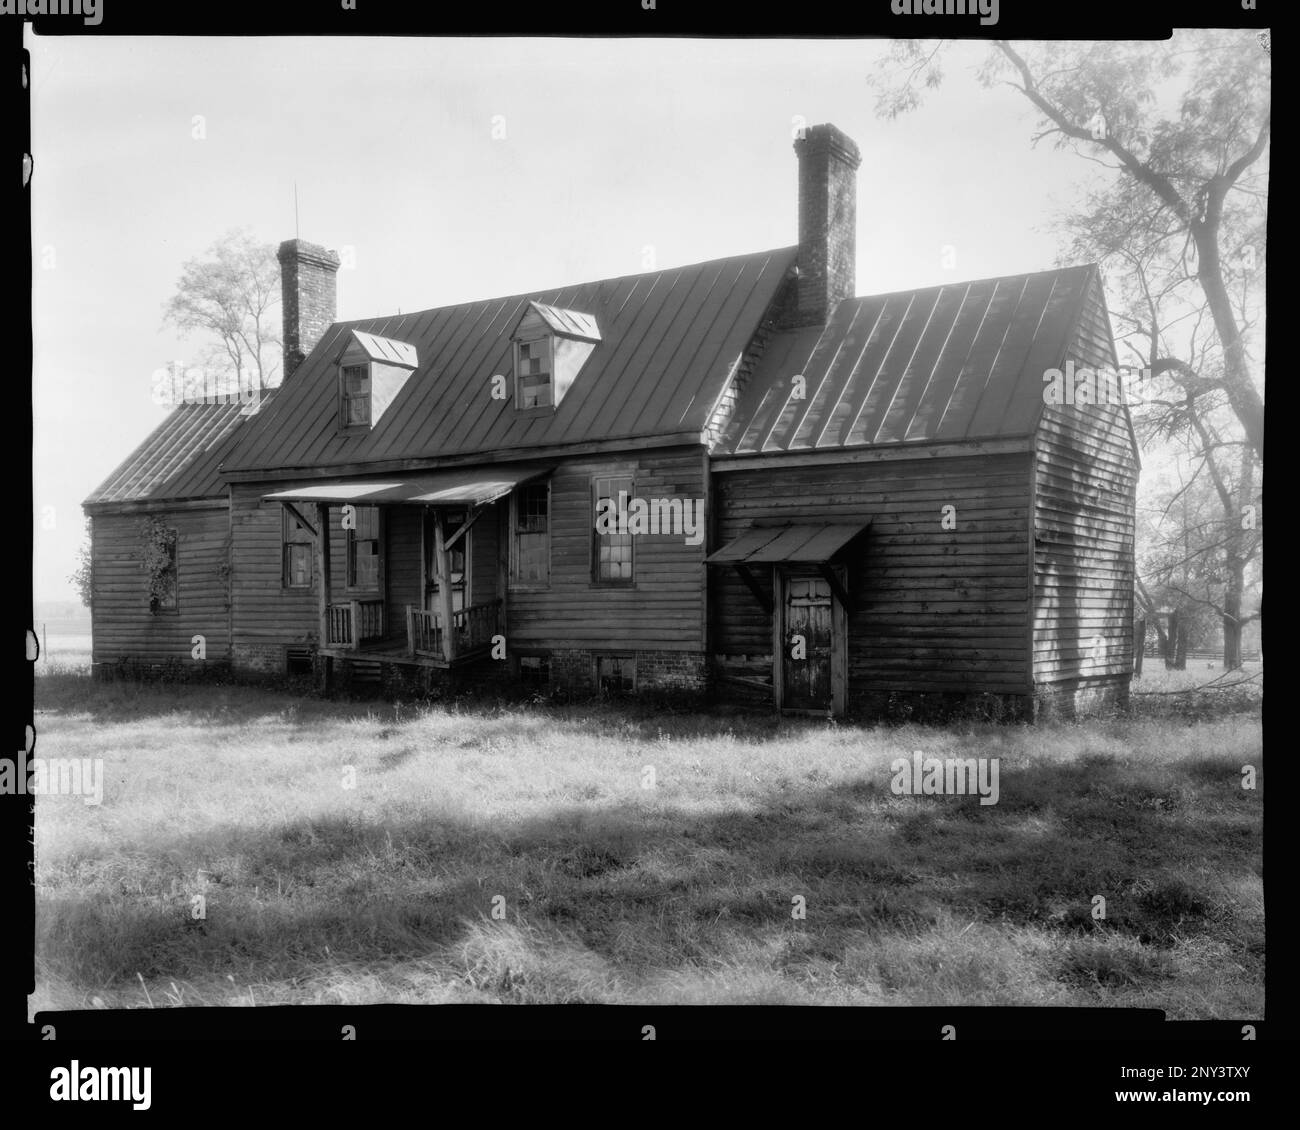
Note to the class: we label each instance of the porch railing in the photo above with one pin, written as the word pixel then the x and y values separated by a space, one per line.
pixel 474 627
pixel 352 622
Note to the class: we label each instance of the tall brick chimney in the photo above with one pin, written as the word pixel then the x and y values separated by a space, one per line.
pixel 828 209
pixel 308 295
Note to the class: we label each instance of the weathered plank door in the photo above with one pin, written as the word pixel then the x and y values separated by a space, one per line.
pixel 807 645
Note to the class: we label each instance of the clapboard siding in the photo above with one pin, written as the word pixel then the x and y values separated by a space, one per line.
pixel 933 609
pixel 402 563
pixel 484 546
pixel 663 611
pixel 1085 487
pixel 122 625
pixel 264 611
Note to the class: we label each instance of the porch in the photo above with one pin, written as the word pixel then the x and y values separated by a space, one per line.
pixel 358 629
pixel 410 572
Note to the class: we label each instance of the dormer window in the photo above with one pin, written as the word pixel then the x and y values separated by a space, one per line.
pixel 533 373
pixel 356 396
pixel 372 372
pixel 550 346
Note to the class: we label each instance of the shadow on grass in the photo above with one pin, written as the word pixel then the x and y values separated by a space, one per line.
pixel 233 704
pixel 644 888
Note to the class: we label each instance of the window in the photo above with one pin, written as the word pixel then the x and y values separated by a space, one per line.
pixel 531 557
pixel 611 553
pixel 356 396
pixel 297 661
pixel 616 674
pixel 535 672
pixel 298 545
pixel 533 373
pixel 363 550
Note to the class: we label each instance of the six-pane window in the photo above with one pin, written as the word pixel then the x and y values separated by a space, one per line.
pixel 533 373
pixel 363 550
pixel 611 553
pixel 356 395
pixel 532 548
pixel 298 543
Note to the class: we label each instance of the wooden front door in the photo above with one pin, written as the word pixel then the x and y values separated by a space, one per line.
pixel 807 644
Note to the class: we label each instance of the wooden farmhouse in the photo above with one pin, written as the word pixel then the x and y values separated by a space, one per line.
pixel 734 477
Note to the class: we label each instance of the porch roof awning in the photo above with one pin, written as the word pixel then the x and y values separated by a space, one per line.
pixel 811 543
pixel 436 488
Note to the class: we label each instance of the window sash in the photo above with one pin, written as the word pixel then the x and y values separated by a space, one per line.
pixel 533 373
pixel 297 545
pixel 612 554
pixel 356 395
pixel 363 550
pixel 530 560
pixel 297 565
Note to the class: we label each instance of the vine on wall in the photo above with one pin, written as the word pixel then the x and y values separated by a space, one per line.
pixel 158 560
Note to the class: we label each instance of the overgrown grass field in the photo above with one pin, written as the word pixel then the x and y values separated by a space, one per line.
pixel 354 852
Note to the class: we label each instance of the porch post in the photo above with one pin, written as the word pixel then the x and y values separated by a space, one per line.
pixel 504 533
pixel 442 563
pixel 778 636
pixel 323 572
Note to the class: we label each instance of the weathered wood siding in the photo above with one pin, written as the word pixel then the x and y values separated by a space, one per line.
pixel 485 542
pixel 934 610
pixel 663 611
pixel 1084 511
pixel 266 616
pixel 122 624
pixel 402 533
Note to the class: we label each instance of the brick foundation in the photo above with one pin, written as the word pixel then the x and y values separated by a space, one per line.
pixel 1080 698
pixel 266 659
pixel 573 670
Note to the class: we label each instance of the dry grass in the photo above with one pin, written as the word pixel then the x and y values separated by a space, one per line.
pixel 610 891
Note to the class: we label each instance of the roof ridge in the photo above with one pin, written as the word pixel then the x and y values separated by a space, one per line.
pixel 353 323
pixel 971 282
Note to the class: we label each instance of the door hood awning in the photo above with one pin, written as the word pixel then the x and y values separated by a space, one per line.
pixel 475 487
pixel 811 543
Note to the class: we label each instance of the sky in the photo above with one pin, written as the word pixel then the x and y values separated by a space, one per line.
pixel 449 170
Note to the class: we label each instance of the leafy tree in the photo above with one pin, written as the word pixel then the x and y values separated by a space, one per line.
pixel 229 296
pixel 83 576
pixel 1185 127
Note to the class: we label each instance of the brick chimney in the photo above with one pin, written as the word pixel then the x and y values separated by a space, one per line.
pixel 308 295
pixel 828 207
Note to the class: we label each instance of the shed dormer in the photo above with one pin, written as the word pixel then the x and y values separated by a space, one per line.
pixel 372 371
pixel 550 346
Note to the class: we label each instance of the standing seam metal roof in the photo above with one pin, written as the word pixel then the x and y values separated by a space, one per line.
pixel 180 458
pixel 669 340
pixel 957 362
